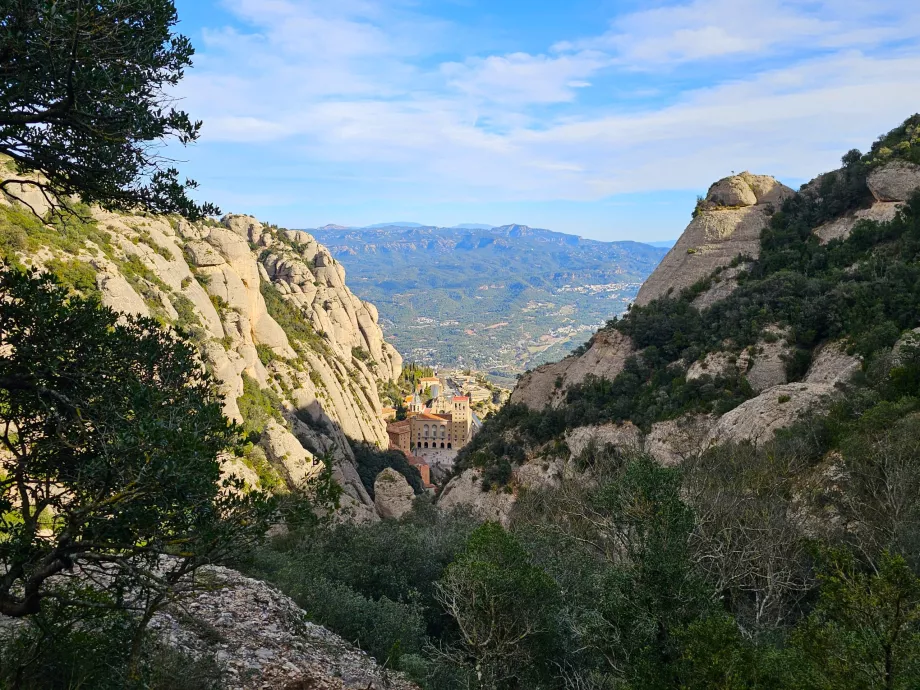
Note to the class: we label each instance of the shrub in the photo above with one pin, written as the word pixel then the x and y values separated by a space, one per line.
pixel 257 406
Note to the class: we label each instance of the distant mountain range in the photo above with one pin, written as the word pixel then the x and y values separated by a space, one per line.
pixel 500 299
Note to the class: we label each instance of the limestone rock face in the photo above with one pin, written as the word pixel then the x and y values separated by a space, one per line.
pixel 759 418
pixel 262 639
pixel 212 280
pixel 675 440
pixel 392 494
pixel 894 181
pixel 840 228
pixel 832 365
pixel 723 285
pixel 547 385
pixel 118 294
pixel 624 436
pixel 728 225
pixel 717 364
pixel 768 367
pixel 466 490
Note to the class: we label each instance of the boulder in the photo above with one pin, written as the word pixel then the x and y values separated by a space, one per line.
pixel 118 294
pixel 393 496
pixel 727 225
pixel 465 490
pixel 758 419
pixel 768 366
pixel 624 436
pixel 832 365
pixel 246 227
pixel 894 181
pixel 202 254
pixel 672 441
pixel 731 191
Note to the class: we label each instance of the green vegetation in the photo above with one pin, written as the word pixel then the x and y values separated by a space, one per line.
pixel 258 406
pixel 113 467
pixel 266 354
pixel 74 274
pixel 255 459
pixel 86 102
pixel 441 290
pixel 862 289
pixel 299 329
pixel 22 231
pixel 54 653
pixel 372 584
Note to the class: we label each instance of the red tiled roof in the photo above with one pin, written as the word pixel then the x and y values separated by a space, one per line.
pixel 461 398
pixel 401 425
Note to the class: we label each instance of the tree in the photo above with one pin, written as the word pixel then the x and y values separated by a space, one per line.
pixel 503 607
pixel 110 431
pixel 84 102
pixel 865 630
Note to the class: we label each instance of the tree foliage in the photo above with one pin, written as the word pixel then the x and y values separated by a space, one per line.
pixel 109 439
pixel 84 102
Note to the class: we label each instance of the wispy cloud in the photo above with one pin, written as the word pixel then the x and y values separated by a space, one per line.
pixel 363 85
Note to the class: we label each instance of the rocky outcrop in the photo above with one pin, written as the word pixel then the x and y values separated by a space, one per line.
pixel 392 494
pixel 626 436
pixel 465 490
pixel 261 639
pixel 606 355
pixel 894 181
pixel 261 304
pixel 840 228
pixel 891 185
pixel 832 365
pixel 727 225
pixel 768 358
pixel 757 420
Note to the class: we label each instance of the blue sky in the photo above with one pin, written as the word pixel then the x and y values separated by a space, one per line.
pixel 599 118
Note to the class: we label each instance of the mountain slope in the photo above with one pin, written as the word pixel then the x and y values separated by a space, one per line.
pixel 297 356
pixel 760 316
pixel 500 299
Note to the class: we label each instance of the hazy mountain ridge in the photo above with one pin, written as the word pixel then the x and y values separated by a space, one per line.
pixel 502 298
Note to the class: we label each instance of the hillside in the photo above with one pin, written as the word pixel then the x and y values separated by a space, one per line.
pixel 773 308
pixel 500 299
pixel 297 356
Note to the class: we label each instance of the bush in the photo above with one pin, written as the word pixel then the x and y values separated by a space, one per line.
pixel 257 406
pixel 58 652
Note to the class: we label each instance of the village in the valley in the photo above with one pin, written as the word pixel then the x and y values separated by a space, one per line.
pixel 440 417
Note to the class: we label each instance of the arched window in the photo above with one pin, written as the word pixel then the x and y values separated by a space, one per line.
pixel 449 445
pixel 426 444
pixel 442 444
pixel 426 430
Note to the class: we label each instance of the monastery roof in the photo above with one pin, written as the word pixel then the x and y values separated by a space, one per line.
pixel 430 415
pixel 461 398
pixel 401 425
pixel 433 379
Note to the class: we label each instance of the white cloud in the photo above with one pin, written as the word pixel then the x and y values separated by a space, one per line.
pixel 524 78
pixel 355 85
pixel 708 29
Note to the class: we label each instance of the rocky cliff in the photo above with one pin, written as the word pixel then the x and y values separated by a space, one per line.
pixel 777 372
pixel 296 355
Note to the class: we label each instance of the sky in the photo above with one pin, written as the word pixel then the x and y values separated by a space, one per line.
pixel 599 118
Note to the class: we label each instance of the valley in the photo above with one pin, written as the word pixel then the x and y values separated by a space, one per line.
pixel 500 300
